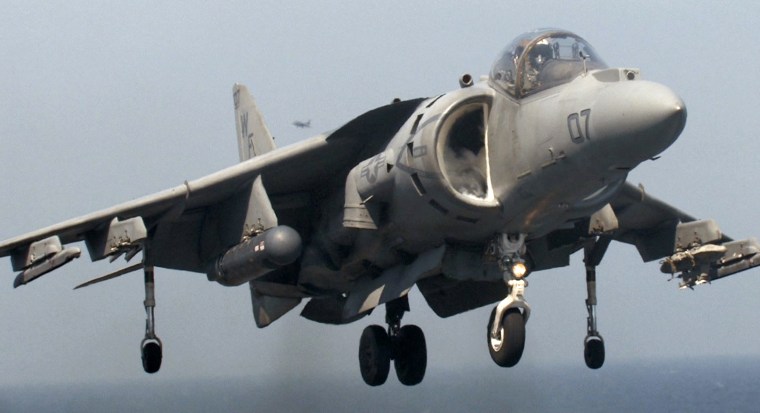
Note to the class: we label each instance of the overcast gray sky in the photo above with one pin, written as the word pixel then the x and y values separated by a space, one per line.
pixel 102 104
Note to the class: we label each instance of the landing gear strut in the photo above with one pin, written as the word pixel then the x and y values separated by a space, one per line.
pixel 593 344
pixel 151 346
pixel 404 345
pixel 506 326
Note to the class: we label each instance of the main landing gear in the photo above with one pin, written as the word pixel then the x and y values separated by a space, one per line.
pixel 593 344
pixel 506 326
pixel 404 345
pixel 151 345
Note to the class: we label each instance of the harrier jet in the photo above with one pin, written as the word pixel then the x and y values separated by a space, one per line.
pixel 301 124
pixel 464 195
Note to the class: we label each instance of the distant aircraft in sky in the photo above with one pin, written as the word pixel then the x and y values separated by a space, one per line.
pixel 300 124
pixel 463 194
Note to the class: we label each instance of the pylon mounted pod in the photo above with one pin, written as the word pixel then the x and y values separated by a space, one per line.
pixel 702 254
pixel 119 237
pixel 41 257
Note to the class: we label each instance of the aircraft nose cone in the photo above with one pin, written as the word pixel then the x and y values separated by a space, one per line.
pixel 637 120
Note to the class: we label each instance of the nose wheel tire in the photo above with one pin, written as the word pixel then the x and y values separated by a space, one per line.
pixel 374 355
pixel 410 355
pixel 593 352
pixel 507 348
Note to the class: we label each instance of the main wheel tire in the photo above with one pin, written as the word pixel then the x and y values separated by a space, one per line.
pixel 507 349
pixel 151 357
pixel 593 352
pixel 375 355
pixel 410 355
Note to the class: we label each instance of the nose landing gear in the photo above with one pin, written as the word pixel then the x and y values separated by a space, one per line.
pixel 506 326
pixel 506 346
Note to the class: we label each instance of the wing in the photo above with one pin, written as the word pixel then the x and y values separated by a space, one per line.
pixel 697 250
pixel 173 220
pixel 188 225
pixel 646 222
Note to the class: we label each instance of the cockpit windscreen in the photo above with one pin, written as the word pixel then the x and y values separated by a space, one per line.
pixel 541 60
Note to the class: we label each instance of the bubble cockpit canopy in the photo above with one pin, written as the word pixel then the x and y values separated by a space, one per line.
pixel 542 59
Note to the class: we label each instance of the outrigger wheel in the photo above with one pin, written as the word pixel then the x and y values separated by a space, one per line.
pixel 593 351
pixel 151 355
pixel 151 346
pixel 593 344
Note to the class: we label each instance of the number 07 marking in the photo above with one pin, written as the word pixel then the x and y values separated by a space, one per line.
pixel 578 132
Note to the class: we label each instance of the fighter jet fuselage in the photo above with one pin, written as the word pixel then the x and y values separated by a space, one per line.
pixel 477 162
pixel 473 160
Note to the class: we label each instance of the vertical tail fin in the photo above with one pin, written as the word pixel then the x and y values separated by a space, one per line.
pixel 252 133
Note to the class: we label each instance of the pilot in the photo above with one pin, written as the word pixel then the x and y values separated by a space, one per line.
pixel 538 56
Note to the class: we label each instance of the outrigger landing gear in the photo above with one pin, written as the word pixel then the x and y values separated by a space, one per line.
pixel 404 345
pixel 593 344
pixel 151 345
pixel 506 326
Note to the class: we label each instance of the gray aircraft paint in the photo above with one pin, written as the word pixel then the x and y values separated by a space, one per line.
pixel 707 155
pixel 519 166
